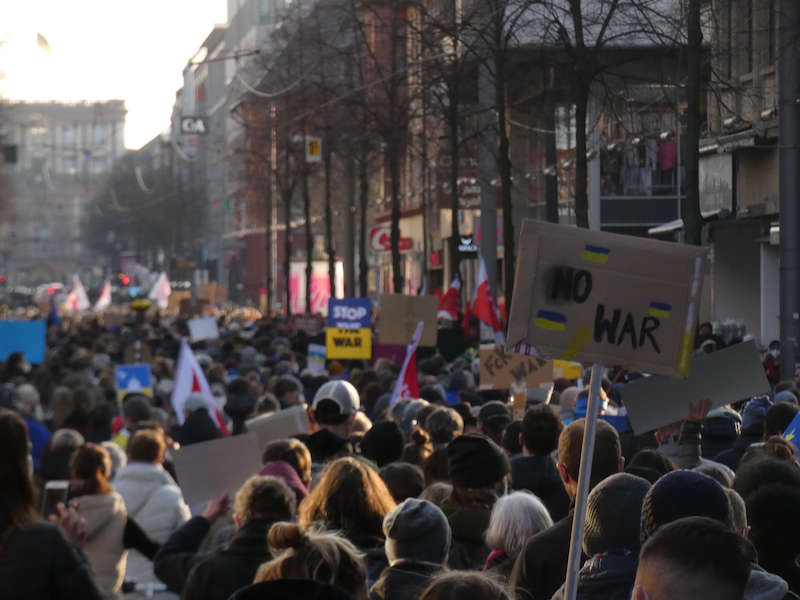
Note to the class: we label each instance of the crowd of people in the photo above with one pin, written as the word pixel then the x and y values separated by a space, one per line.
pixel 440 497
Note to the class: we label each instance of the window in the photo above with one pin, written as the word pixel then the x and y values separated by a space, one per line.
pixel 100 134
pixel 729 41
pixel 749 36
pixel 69 166
pixel 68 134
pixel 772 32
pixel 265 12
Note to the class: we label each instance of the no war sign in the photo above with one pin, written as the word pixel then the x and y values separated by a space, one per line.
pixel 348 343
pixel 591 296
pixel 350 313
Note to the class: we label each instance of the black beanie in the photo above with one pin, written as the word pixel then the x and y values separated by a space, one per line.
pixel 476 462
pixel 383 443
pixel 613 512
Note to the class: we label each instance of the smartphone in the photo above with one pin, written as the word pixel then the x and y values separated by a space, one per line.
pixel 54 492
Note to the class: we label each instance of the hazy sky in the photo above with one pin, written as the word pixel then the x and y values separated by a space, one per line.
pixel 103 49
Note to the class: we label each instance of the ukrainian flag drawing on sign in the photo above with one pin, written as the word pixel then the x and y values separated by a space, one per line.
pixel 790 435
pixel 660 310
pixel 348 343
pixel 595 254
pixel 550 321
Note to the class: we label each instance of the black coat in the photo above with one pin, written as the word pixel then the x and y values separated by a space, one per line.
pixel 541 567
pixel 178 555
pixel 404 580
pixel 605 577
pixel 38 563
pixel 468 550
pixel 538 474
pixel 198 427
pixel 219 575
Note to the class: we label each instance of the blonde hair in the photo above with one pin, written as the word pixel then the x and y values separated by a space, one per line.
pixel 322 556
pixel 263 497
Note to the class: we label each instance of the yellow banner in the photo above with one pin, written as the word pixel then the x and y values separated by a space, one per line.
pixel 348 343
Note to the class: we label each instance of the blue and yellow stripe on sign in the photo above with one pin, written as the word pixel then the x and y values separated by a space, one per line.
pixel 660 310
pixel 550 321
pixel 595 254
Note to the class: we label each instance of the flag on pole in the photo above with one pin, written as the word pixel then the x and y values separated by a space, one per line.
pixel 448 303
pixel 104 301
pixel 189 378
pixel 161 291
pixel 407 385
pixel 484 307
pixel 77 300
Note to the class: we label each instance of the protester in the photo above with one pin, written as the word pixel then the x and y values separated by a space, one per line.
pixel 286 473
pixel 259 503
pixel 332 412
pixel 443 424
pixel 136 408
pixel 417 544
pixel 535 470
pixel 404 480
pixel 541 567
pixel 293 452
pixel 478 470
pixel 514 519
pixel 28 404
pixel 37 562
pixel 493 418
pixel 383 443
pixel 54 464
pixel 419 449
pixel 694 557
pixel 198 425
pixel 351 498
pixel 456 585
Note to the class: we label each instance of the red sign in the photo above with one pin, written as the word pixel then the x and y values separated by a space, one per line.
pixel 380 240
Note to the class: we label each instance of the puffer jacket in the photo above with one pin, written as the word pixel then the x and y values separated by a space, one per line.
pixel 155 502
pixel 607 576
pixel 105 528
pixel 766 586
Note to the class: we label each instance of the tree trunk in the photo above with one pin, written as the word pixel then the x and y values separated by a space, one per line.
pixel 452 125
pixel 692 219
pixel 328 220
pixel 309 237
pixel 268 200
pixel 581 183
pixel 287 249
pixel 363 193
pixel 551 159
pixel 394 173
pixel 350 225
pixel 504 168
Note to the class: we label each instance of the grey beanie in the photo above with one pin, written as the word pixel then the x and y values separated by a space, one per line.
pixel 613 512
pixel 418 530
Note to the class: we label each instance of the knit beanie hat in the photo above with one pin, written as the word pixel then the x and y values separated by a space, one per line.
pixel 613 512
pixel 416 529
pixel 383 443
pixel 680 494
pixel 475 461
pixel 755 412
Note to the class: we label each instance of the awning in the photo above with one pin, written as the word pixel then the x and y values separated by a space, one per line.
pixel 677 224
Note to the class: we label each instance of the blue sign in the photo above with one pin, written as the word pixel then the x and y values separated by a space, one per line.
pixel 27 337
pixel 350 313
pixel 133 378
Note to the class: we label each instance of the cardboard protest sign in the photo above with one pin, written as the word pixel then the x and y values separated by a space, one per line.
pixel 213 292
pixel 283 424
pixel 400 314
pixel 567 370
pixel 203 328
pixel 209 468
pixel 348 343
pixel 27 337
pixel 725 376
pixel 592 296
pixel 311 324
pixel 500 369
pixel 316 358
pixel 133 378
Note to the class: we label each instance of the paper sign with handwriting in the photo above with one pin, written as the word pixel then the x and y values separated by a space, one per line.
pixel 591 296
pixel 499 369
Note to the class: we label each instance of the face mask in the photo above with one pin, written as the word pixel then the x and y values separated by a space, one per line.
pixel 25 367
pixel 775 353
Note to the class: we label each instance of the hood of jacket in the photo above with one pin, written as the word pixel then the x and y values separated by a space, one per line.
pixel 285 471
pixel 139 482
pixel 100 510
pixel 404 579
pixel 466 523
pixel 535 473
pixel 764 586
pixel 609 575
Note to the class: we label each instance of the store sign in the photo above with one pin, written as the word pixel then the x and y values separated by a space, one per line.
pixel 467 246
pixel 193 125
pixel 380 240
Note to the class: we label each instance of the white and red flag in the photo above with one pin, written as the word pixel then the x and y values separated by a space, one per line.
pixel 77 300
pixel 484 308
pixel 189 378
pixel 448 303
pixel 161 291
pixel 407 385
pixel 104 301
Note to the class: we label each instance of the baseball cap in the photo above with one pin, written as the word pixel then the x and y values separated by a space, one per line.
pixel 342 393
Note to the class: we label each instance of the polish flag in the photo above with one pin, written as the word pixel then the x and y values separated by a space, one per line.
pixel 189 378
pixel 407 385
pixel 104 301
pixel 448 303
pixel 484 307
pixel 161 291
pixel 77 299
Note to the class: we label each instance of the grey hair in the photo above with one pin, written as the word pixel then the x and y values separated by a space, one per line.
pixel 514 519
pixel 66 438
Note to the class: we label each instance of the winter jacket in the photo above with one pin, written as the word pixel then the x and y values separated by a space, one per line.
pixel 541 566
pixel 39 436
pixel 735 455
pixel 155 502
pixel 178 555
pixel 538 474
pixel 38 563
pixel 500 564
pixel 105 528
pixel 468 549
pixel 765 586
pixel 198 427
pixel 605 577
pixel 685 452
pixel 404 580
pixel 219 575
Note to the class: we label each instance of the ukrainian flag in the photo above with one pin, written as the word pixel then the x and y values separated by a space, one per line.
pixel 595 254
pixel 550 321
pixel 660 310
pixel 790 435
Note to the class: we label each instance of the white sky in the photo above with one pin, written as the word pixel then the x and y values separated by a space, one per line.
pixel 133 50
